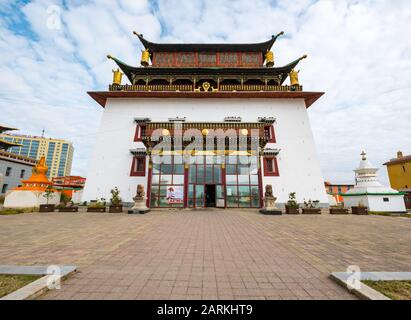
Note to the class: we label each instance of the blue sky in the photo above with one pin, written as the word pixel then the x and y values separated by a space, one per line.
pixel 53 52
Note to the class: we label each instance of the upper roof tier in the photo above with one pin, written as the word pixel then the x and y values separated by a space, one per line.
pixel 208 47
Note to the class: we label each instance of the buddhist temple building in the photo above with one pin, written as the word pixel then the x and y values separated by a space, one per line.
pixel 205 125
pixel 13 168
pixel 32 193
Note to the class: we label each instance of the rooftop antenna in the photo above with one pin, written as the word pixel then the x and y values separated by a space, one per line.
pixel 42 133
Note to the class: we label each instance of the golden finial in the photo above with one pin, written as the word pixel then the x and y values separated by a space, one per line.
pixel 269 57
pixel 145 58
pixel 294 78
pixel 117 76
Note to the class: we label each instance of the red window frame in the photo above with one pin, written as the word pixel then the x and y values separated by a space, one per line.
pixel 135 170
pixel 273 171
pixel 271 133
pixel 140 131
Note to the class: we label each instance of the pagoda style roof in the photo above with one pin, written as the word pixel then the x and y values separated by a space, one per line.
pixel 6 144
pixel 281 73
pixel 308 97
pixel 3 129
pixel 208 47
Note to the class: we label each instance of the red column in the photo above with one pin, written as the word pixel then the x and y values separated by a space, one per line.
pixel 260 182
pixel 150 174
pixel 186 167
pixel 223 180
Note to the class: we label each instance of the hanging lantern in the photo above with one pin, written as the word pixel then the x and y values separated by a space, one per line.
pixel 145 58
pixel 269 57
pixel 117 76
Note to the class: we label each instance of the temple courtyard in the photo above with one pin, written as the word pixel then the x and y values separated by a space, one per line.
pixel 204 254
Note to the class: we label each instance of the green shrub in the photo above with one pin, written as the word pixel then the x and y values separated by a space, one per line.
pixel 98 203
pixel 292 203
pixel 115 197
pixel 7 212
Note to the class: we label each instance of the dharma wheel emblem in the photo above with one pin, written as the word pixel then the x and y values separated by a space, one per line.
pixel 206 86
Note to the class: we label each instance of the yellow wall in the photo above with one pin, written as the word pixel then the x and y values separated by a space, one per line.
pixel 400 179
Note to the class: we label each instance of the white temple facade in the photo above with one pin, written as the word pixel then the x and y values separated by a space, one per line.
pixel 369 191
pixel 185 93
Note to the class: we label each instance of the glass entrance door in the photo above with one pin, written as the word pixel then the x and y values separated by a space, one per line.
pixel 210 199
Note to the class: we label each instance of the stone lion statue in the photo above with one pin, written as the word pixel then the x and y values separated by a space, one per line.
pixel 268 191
pixel 140 192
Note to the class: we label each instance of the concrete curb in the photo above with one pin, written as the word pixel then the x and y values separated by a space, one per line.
pixel 365 292
pixel 38 287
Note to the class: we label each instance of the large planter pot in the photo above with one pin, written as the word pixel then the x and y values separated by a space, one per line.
pixel 362 211
pixel 338 211
pixel 311 211
pixel 91 209
pixel 289 210
pixel 115 208
pixel 68 209
pixel 47 207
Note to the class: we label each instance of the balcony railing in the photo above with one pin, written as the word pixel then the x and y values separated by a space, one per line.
pixel 190 88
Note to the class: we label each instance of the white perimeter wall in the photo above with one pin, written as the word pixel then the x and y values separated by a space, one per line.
pixel 377 204
pixel 298 163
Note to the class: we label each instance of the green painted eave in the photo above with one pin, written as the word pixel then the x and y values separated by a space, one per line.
pixel 373 194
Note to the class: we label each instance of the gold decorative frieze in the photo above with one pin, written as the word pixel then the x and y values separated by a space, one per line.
pixel 191 88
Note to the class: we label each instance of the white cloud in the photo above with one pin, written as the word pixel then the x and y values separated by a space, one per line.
pixel 359 54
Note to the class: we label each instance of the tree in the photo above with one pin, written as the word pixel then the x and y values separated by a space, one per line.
pixel 48 193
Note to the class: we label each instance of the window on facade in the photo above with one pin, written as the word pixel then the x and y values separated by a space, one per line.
pixel 4 188
pixel 242 188
pixel 22 173
pixel 8 171
pixel 140 132
pixel 167 184
pixel 269 133
pixel 271 166
pixel 138 166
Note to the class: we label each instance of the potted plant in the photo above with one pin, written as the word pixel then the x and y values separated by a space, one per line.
pixel 338 209
pixel 48 194
pixel 310 207
pixel 361 209
pixel 97 206
pixel 292 206
pixel 115 201
pixel 66 205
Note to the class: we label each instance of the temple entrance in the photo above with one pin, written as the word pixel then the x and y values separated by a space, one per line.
pixel 210 196
pixel 205 183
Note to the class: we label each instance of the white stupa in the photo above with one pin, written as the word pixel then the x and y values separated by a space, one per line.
pixel 369 192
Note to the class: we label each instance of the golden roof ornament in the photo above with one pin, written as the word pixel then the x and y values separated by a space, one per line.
pixel 117 76
pixel 269 57
pixel 145 58
pixel 294 78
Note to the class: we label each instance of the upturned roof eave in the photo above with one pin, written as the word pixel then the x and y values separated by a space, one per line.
pixel 264 71
pixel 208 47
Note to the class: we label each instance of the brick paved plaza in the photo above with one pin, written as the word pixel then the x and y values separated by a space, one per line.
pixel 210 254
